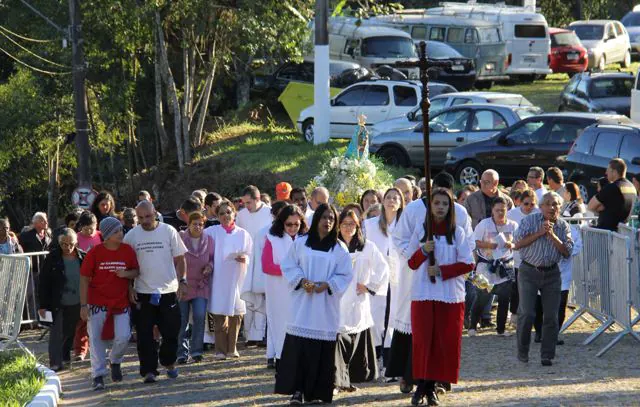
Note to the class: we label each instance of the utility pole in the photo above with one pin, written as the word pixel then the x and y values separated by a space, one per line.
pixel 322 114
pixel 79 96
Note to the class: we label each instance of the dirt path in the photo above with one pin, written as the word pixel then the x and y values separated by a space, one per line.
pixel 490 375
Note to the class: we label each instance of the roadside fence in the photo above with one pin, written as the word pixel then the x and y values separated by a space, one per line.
pixel 605 278
pixel 15 272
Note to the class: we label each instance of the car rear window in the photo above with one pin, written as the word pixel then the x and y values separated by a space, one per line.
pixel 404 96
pixel 611 87
pixel 564 39
pixel 607 144
pixel 530 31
pixel 588 32
pixel 630 147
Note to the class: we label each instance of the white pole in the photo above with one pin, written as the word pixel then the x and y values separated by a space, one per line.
pixel 322 108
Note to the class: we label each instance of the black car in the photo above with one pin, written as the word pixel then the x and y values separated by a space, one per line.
pixel 275 83
pixel 534 141
pixel 460 72
pixel 589 156
pixel 598 93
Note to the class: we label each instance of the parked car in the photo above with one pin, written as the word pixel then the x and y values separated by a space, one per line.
pixel 598 93
pixel 378 100
pixel 461 73
pixel 606 41
pixel 631 22
pixel 568 55
pixel 535 141
pixel 275 83
pixel 590 154
pixel 450 128
pixel 449 99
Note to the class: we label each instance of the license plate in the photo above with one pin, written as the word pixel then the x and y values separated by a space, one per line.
pixel 572 57
pixel 457 68
pixel 530 59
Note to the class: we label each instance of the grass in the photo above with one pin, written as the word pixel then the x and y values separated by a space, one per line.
pixel 19 379
pixel 546 93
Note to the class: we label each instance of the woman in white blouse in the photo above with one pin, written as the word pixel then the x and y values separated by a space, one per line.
pixel 232 250
pixel 318 270
pixel 356 355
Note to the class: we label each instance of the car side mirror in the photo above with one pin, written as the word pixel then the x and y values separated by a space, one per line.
pixel 503 141
pixel 635 161
pixel 411 116
pixel 332 102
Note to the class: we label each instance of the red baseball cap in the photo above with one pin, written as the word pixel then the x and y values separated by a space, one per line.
pixel 283 190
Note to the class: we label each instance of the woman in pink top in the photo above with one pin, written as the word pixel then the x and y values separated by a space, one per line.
pixel 289 224
pixel 199 269
pixel 88 234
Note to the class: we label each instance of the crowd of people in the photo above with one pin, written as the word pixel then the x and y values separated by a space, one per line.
pixel 375 291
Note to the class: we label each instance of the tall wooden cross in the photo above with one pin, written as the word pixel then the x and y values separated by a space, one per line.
pixel 424 64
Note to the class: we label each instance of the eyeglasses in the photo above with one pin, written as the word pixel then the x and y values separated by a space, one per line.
pixel 198 225
pixel 348 225
pixel 65 244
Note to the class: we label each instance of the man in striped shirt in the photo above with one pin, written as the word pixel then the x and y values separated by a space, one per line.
pixel 543 239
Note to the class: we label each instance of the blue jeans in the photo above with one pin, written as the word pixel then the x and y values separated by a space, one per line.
pixel 193 346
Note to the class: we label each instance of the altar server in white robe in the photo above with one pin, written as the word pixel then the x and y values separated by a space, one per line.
pixel 254 288
pixel 318 271
pixel 379 230
pixel 287 226
pixel 356 360
pixel 255 216
pixel 232 254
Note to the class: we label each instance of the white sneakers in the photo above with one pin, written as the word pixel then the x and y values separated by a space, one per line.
pixel 220 356
pixel 472 332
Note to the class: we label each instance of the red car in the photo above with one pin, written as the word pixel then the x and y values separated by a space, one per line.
pixel 567 53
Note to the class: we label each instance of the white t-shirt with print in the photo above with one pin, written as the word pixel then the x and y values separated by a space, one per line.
pixel 155 250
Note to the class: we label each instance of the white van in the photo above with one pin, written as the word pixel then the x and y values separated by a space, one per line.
pixel 525 32
pixel 370 46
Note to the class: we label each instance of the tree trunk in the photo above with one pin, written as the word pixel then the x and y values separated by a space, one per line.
pixel 157 81
pixel 243 82
pixel 206 95
pixel 186 102
pixel 52 204
pixel 172 93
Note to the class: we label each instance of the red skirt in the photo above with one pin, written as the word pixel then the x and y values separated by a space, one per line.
pixel 437 340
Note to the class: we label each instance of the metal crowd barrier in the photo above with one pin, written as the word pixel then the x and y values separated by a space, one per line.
pixel 15 272
pixel 604 283
pixel 30 315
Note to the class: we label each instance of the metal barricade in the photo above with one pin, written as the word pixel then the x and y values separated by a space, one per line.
pixel 14 279
pixel 30 315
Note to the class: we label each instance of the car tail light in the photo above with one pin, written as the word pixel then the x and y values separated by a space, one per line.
pixel 549 59
pixel 509 59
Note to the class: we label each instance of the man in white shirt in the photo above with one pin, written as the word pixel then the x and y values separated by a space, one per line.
pixel 535 178
pixel 555 179
pixel 157 290
pixel 255 216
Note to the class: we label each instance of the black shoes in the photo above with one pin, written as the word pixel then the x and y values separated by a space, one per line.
pixel 432 398
pixel 417 399
pixel 296 399
pixel 523 358
pixel 116 372
pixel 98 383
pixel 538 338
pixel 546 362
pixel 487 324
pixel 405 387
pixel 271 363
pixel 197 358
pixel 560 342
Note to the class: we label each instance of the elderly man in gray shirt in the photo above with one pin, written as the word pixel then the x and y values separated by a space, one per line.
pixel 543 240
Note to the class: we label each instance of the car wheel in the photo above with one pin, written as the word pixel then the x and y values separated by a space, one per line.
pixel 469 173
pixel 480 85
pixel 307 130
pixel 393 156
pixel 527 78
pixel 584 192
pixel 602 63
pixel 627 60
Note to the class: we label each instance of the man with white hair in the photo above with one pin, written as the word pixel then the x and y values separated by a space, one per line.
pixel 319 195
pixel 478 204
pixel 36 239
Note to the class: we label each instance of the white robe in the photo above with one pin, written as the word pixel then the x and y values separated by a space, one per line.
pixel 369 269
pixel 278 296
pixel 316 316
pixel 255 320
pixel 228 275
pixel 379 301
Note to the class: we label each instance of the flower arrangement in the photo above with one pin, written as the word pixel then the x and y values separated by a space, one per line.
pixel 347 178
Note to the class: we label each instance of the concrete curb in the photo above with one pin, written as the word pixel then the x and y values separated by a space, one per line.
pixel 49 394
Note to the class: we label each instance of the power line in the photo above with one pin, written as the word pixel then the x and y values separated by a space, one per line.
pixel 33 53
pixel 22 37
pixel 33 67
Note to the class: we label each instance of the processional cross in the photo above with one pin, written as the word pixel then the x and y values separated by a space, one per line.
pixel 424 64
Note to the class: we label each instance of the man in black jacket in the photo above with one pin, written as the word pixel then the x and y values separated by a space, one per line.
pixel 36 239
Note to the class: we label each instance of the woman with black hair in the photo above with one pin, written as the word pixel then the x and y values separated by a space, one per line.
pixel 289 224
pixel 370 197
pixel 355 352
pixel 318 270
pixel 103 206
pixel 437 309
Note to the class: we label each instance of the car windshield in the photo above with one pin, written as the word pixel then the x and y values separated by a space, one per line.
pixel 611 87
pixel 631 20
pixel 510 100
pixel 588 32
pixel 388 47
pixel 490 35
pixel 564 39
pixel 525 112
pixel 440 50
